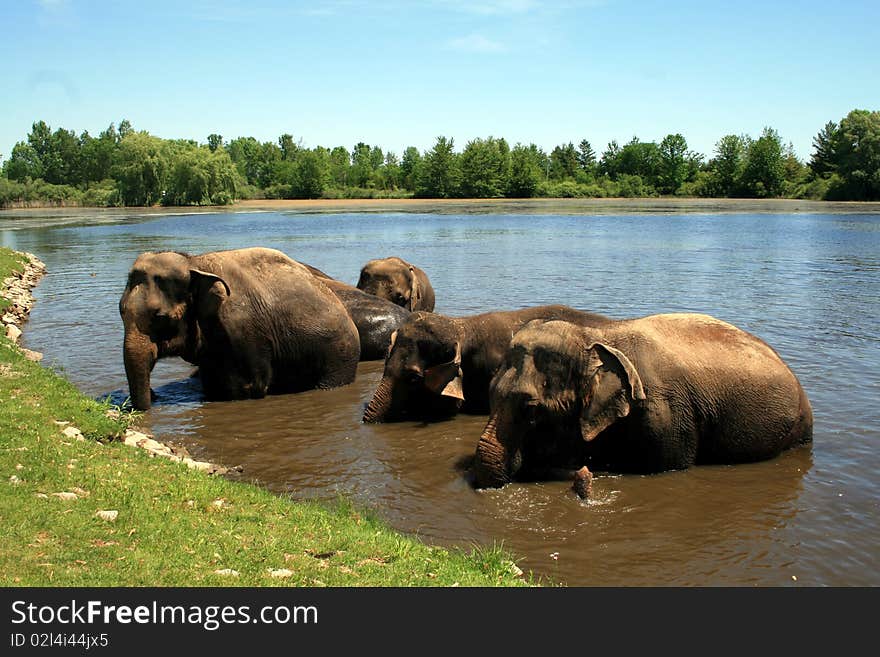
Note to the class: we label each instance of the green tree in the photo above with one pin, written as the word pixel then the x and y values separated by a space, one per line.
pixel 564 162
pixel 215 141
pixel 526 171
pixel 440 174
pixel 124 129
pixel 361 165
pixel 255 161
pixel 856 147
pixel 391 171
pixel 23 163
pixel 727 166
pixel 609 164
pixel 98 153
pixel 289 148
pixel 586 158
pixel 312 173
pixel 409 168
pixel 639 158
pixel 673 167
pixel 140 169
pixel 822 162
pixel 764 170
pixel 198 175
pixel 340 163
pixel 485 168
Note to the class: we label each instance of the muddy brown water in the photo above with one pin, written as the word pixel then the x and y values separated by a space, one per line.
pixel 809 284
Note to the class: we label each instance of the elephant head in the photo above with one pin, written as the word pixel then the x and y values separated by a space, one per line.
pixel 422 371
pixel 397 281
pixel 164 298
pixel 556 389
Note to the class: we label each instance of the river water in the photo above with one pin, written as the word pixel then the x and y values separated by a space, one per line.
pixel 808 284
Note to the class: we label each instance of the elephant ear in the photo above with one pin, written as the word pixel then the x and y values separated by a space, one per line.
pixel 209 291
pixel 415 290
pixel 445 379
pixel 612 385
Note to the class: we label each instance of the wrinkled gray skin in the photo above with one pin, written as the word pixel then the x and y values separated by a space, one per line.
pixel 439 365
pixel 399 282
pixel 253 320
pixel 658 393
pixel 376 319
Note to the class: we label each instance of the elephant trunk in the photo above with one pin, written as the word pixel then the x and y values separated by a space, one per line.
pixel 495 462
pixel 380 404
pixel 139 354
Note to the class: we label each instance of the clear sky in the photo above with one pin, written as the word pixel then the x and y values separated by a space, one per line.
pixel 398 73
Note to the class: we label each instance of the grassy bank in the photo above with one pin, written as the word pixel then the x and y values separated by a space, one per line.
pixel 174 526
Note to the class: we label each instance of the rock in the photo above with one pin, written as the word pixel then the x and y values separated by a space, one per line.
pixel 35 356
pixel 73 432
pixel 13 332
pixel 109 516
pixel 280 573
pixel 14 480
pixel 10 319
pixel 66 496
pixel 226 572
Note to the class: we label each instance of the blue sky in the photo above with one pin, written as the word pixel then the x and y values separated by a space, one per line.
pixel 398 74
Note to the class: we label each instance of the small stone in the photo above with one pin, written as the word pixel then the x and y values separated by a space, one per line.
pixel 13 332
pixel 14 480
pixel 66 496
pixel 73 432
pixel 34 356
pixel 109 516
pixel 79 491
pixel 42 496
pixel 226 572
pixel 280 573
pixel 8 319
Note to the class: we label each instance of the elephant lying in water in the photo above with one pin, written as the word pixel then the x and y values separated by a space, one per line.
pixel 438 364
pixel 658 393
pixel 253 320
pixel 399 282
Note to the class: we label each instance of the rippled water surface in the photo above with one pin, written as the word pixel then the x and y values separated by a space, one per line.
pixel 809 284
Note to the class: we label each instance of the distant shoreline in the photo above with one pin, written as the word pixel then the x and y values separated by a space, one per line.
pixel 572 206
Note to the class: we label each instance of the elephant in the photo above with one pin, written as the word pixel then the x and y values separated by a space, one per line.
pixel 438 365
pixel 398 281
pixel 375 318
pixel 253 320
pixel 646 395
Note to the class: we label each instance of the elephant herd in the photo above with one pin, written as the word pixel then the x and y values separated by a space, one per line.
pixel 566 391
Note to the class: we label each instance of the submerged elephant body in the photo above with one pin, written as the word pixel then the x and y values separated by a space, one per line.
pixel 438 365
pixel 399 282
pixel 658 393
pixel 253 320
pixel 375 318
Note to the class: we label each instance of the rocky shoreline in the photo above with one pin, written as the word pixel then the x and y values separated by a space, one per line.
pixel 17 289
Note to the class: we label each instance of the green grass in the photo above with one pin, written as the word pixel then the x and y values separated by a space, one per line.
pixel 176 526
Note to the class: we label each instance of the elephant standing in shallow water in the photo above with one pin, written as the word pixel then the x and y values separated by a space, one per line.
pixel 253 320
pixel 658 393
pixel 438 365
pixel 399 282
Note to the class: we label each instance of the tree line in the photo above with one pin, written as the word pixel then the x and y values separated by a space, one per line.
pixel 122 167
